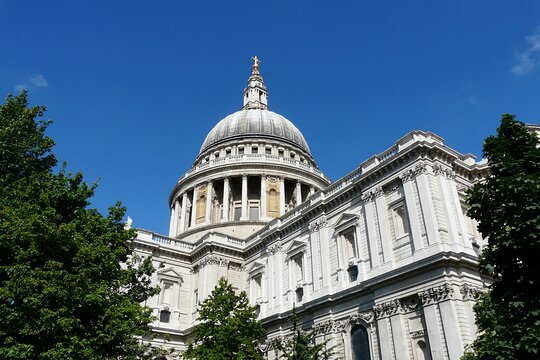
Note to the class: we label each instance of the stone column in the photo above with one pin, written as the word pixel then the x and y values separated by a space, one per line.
pixel 183 214
pixel 173 216
pixel 263 196
pixel 225 215
pixel 194 207
pixel 416 231
pixel 446 198
pixel 428 210
pixel 176 214
pixel 311 190
pixel 209 194
pixel 281 196
pixel 244 215
pixel 382 215
pixel 371 232
pixel 298 193
pixel 432 316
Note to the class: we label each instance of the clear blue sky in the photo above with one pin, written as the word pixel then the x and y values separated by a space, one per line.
pixel 133 87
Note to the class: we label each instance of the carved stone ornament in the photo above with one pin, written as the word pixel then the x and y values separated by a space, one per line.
pixel 237 267
pixel 410 303
pixel 446 172
pixel 318 224
pixel 388 308
pixel 418 333
pixel 436 294
pixel 469 292
pixel 213 260
pixel 272 249
pixel 340 325
pixel 411 173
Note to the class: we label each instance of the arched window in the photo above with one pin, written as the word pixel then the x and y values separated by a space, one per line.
pixel 360 343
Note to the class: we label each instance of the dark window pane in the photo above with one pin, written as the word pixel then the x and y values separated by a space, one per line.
pixel 360 343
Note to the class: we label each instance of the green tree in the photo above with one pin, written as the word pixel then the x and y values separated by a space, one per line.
pixel 228 327
pixel 302 345
pixel 70 287
pixel 507 208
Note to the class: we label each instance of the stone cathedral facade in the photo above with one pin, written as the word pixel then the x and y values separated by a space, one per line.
pixel 382 263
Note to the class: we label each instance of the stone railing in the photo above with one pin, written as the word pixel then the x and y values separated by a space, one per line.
pixel 162 239
pixel 254 158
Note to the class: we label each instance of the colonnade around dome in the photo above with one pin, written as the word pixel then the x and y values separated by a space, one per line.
pixel 244 198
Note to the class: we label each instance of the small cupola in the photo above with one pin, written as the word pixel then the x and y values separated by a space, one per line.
pixel 255 93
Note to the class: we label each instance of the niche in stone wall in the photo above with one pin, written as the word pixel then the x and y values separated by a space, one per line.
pixel 272 197
pixel 201 205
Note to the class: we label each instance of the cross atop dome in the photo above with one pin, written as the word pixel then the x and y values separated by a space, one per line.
pixel 256 62
pixel 255 93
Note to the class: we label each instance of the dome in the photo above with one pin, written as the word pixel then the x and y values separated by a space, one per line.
pixel 255 123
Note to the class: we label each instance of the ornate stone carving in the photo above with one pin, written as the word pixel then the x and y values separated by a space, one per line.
pixel 366 316
pixel 213 260
pixel 237 267
pixel 411 173
pixel 436 294
pixel 340 325
pixel 446 172
pixel 418 333
pixel 469 292
pixel 318 224
pixel 367 196
pixel 272 249
pixel 410 303
pixel 388 308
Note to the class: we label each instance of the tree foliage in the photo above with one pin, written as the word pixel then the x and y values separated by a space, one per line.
pixel 70 287
pixel 507 208
pixel 302 345
pixel 228 327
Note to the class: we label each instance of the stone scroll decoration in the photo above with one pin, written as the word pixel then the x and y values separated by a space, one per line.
pixel 470 292
pixel 211 260
pixel 444 171
pixel 340 325
pixel 318 224
pixel 413 172
pixel 373 194
pixel 436 294
pixel 274 248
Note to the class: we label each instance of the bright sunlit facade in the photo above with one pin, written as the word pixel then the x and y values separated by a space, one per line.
pixel 382 262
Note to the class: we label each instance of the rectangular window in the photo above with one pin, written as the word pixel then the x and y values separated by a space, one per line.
pixel 268 151
pixel 164 316
pixel 237 213
pixel 241 151
pixel 253 213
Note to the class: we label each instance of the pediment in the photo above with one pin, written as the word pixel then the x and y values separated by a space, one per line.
pixel 169 273
pixel 295 247
pixel 345 220
pixel 256 267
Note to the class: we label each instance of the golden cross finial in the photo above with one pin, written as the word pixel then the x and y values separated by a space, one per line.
pixel 256 62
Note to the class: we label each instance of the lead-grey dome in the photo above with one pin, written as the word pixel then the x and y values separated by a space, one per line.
pixel 255 123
